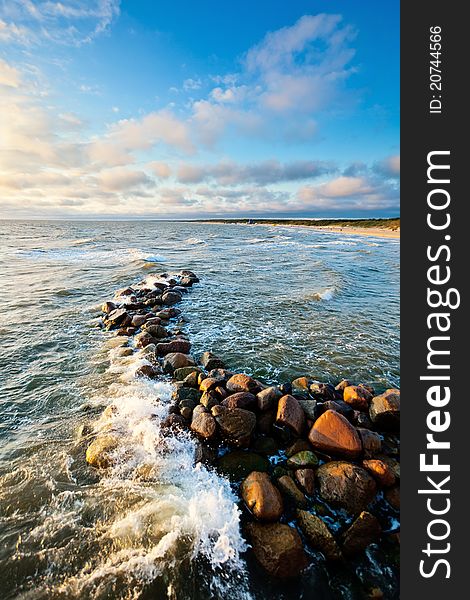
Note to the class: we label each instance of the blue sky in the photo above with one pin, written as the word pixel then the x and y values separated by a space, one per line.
pixel 195 109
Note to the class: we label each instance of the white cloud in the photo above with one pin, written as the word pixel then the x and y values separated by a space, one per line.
pixel 9 76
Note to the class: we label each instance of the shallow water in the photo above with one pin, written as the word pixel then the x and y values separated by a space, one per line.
pixel 278 302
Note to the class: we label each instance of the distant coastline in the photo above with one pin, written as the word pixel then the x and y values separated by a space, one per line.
pixel 387 228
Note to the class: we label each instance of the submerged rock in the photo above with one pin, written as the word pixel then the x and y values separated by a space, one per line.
pixel 278 548
pixel 346 485
pixel 332 433
pixel 261 497
pixel 319 537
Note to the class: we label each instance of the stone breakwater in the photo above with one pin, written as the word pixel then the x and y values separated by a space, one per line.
pixel 315 465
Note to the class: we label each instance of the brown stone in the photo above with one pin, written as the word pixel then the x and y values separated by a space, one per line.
pixel 99 452
pixel 138 320
pixel 357 397
pixel 364 531
pixel 371 442
pixel 278 548
pixel 143 339
pixel 182 346
pixel 306 480
pixel 291 491
pixel 385 410
pixel 392 496
pixel 344 383
pixel 290 414
pixel 346 485
pixel 380 471
pixel 209 361
pixel 268 398
pixel 262 497
pixel 208 383
pixel 204 425
pixel 236 424
pixel 240 400
pixel 242 383
pixel 319 537
pixel 108 307
pixel 332 433
pixel 176 360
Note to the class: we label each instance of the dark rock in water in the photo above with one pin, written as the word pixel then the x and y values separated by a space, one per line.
pixel 339 406
pixel 268 398
pixel 190 274
pixel 184 393
pixel 117 317
pixel 303 459
pixel 298 446
pixel 221 374
pixel 285 388
pixel 221 392
pixel 205 454
pixel 156 331
pixel 371 442
pixel 170 298
pixel 144 339
pixel 362 419
pixel 209 383
pixel 290 414
pixel 203 424
pixel 128 291
pixel 265 421
pixel 261 497
pixel 319 537
pixel 385 410
pixel 279 472
pixel 306 479
pixel 380 471
pixel 173 421
pixel 187 281
pixel 332 433
pixel 240 400
pixel 182 373
pixel 186 412
pixel 209 361
pixel 310 408
pixel 181 346
pixel 265 445
pixel 167 313
pixel 209 399
pixel 100 452
pixel 108 307
pixel 278 548
pixel 289 490
pixel 357 396
pixel 322 391
pixel 364 531
pixel 149 371
pixel 238 464
pixel 138 320
pixel 236 424
pixel 346 485
pixel 176 360
pixel 242 383
pixel 392 496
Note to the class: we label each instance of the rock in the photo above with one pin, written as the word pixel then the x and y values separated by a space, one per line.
pixel 371 442
pixel 147 371
pixel 150 320
pixel 182 394
pixel 191 380
pixel 156 331
pixel 268 398
pixel 291 491
pixel 167 313
pixel 117 317
pixel 290 414
pixel 301 383
pixel 385 410
pixel 339 406
pixel 238 464
pixel 242 383
pixel 121 352
pixel 138 320
pixel 181 346
pixel 128 291
pixel 306 479
pixel 209 399
pixel 208 383
pixel 322 391
pixel 392 464
pixel 278 548
pixel 342 384
pixel 357 396
pixel 298 446
pixel 261 497
pixel 364 531
pixel 240 400
pixel 265 445
pixel 319 537
pixel 265 422
pixel 285 388
pixel 221 392
pixel 176 360
pixel 186 412
pixel 203 424
pixel 332 433
pixel 221 374
pixel 310 407
pixel 108 307
pixel 209 361
pixel 362 419
pixel 99 452
pixel 170 298
pixel 205 454
pixel 380 471
pixel 143 339
pixel 392 496
pixel 346 485
pixel 173 421
pixel 303 459
pixel 183 372
pixel 236 424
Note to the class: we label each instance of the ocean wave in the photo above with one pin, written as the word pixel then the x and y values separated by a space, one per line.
pixel 195 241
pixel 326 294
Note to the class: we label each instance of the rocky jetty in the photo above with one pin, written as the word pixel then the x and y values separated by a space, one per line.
pixel 315 465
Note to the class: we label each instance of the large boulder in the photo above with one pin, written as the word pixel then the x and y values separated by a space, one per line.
pixel 100 452
pixel 155 330
pixel 240 400
pixel 171 297
pixel 242 383
pixel 182 346
pixel 346 485
pixel 385 410
pixel 268 398
pixel 319 537
pixel 290 414
pixel 183 372
pixel 203 424
pixel 332 433
pixel 236 424
pixel 364 531
pixel 357 396
pixel 380 471
pixel 176 360
pixel 209 361
pixel 117 316
pixel 290 491
pixel 371 442
pixel 108 307
pixel 262 497
pixel 278 548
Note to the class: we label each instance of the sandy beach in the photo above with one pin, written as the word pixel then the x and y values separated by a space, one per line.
pixel 368 231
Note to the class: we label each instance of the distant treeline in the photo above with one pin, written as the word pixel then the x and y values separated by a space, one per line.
pixel 392 223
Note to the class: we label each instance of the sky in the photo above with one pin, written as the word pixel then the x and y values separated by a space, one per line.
pixel 183 109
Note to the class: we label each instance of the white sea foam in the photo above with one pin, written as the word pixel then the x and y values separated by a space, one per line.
pixel 325 294
pixel 194 241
